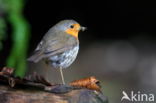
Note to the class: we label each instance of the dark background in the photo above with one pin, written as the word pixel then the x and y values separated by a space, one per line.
pixel 109 19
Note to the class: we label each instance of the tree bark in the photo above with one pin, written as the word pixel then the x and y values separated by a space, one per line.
pixel 35 89
pixel 33 95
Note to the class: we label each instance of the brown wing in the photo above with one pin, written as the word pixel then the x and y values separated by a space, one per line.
pixel 52 47
pixel 39 52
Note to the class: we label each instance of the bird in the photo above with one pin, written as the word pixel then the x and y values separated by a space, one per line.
pixel 59 46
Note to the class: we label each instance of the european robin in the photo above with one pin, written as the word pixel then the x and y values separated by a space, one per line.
pixel 59 46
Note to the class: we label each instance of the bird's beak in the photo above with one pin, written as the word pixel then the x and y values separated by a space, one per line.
pixel 83 28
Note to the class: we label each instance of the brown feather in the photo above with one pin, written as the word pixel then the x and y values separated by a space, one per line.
pixel 37 56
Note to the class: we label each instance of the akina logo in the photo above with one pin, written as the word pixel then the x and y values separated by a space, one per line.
pixel 137 97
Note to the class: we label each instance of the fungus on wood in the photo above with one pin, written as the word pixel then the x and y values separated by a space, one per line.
pixel 35 89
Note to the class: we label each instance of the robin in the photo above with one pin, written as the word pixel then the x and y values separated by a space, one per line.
pixel 59 46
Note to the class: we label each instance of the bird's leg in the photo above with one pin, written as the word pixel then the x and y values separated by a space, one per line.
pixel 46 72
pixel 48 64
pixel 62 77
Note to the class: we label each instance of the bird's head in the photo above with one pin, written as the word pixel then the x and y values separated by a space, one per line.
pixel 70 27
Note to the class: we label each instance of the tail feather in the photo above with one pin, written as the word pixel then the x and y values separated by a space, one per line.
pixel 36 57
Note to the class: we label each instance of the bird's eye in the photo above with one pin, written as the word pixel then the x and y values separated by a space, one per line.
pixel 71 26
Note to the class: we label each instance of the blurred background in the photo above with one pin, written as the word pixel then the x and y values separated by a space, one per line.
pixel 119 47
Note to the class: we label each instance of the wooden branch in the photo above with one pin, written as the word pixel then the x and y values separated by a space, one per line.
pixel 29 95
pixel 35 89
